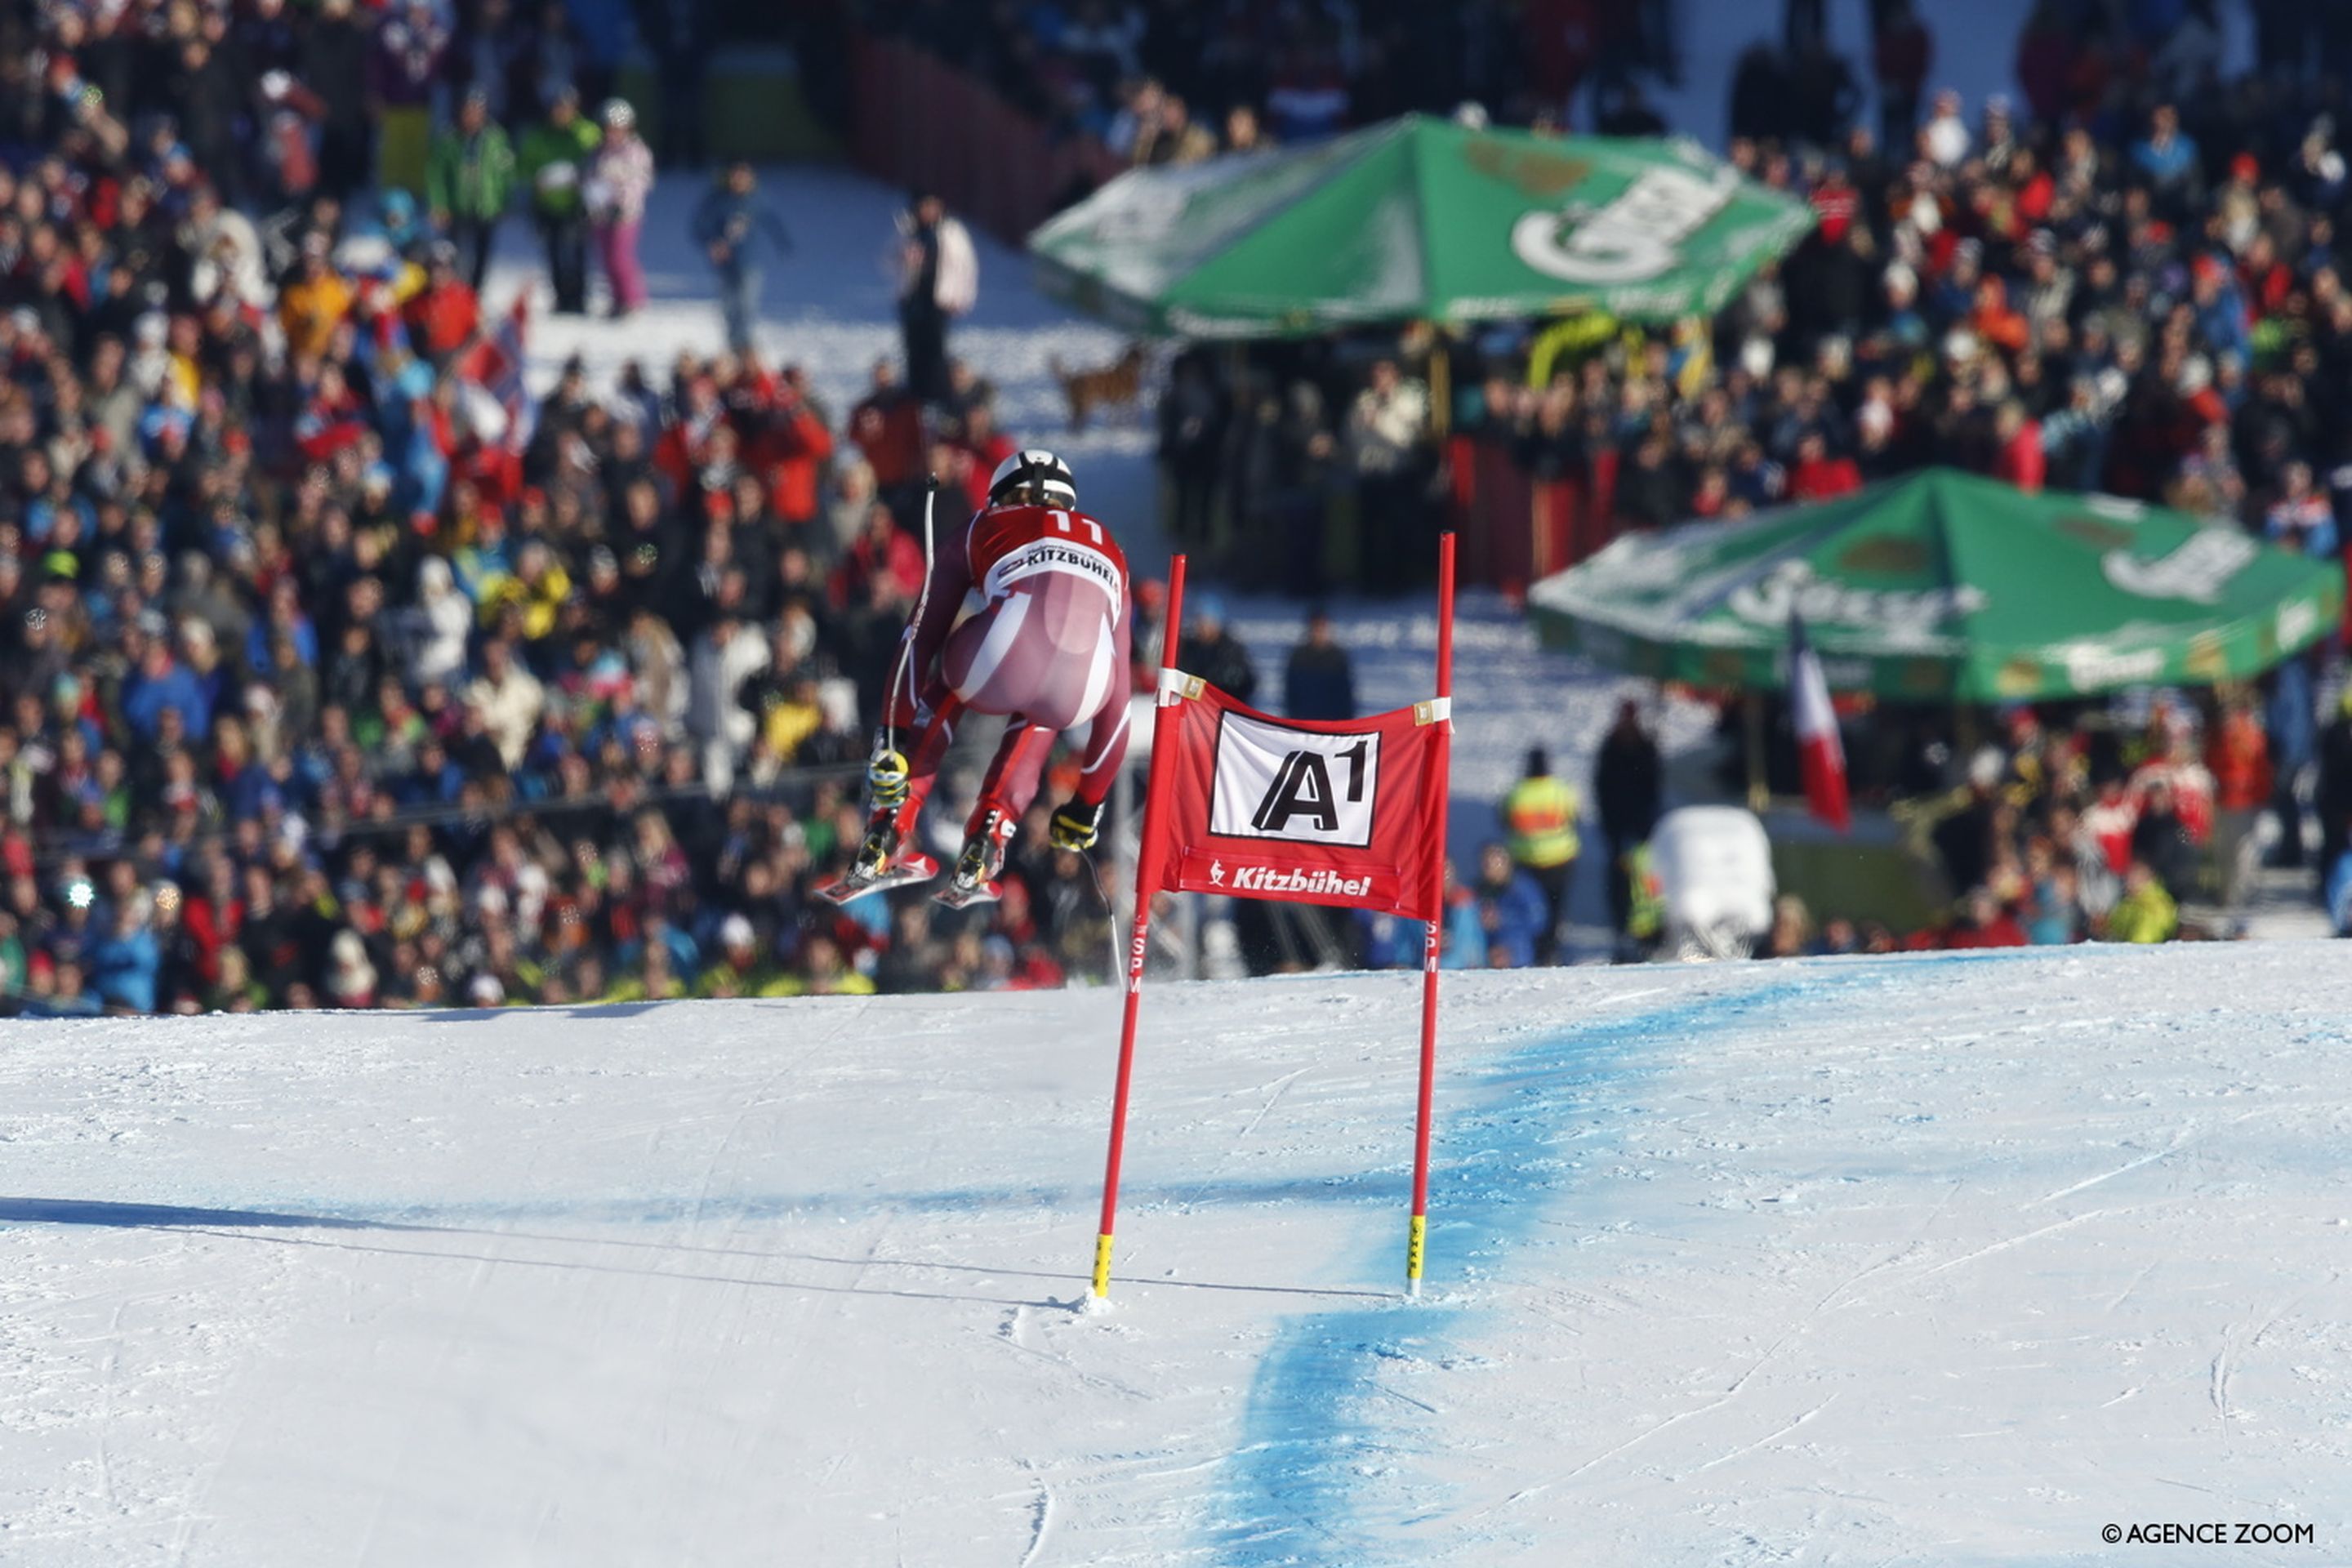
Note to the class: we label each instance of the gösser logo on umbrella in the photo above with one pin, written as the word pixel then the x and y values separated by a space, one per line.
pixel 1417 219
pixel 1941 585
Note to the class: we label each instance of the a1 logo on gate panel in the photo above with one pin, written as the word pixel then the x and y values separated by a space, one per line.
pixel 1274 781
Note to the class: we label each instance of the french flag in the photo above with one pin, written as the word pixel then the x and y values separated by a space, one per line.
pixel 1820 755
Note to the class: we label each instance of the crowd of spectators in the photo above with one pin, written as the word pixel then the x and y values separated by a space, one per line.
pixel 2085 829
pixel 2144 301
pixel 2096 829
pixel 1173 81
pixel 2093 826
pixel 2129 291
pixel 2132 285
pixel 337 670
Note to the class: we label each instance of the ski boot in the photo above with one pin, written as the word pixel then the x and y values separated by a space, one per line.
pixel 880 863
pixel 982 862
pixel 886 780
pixel 1077 824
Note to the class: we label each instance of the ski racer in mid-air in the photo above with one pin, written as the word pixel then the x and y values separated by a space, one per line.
pixel 1024 613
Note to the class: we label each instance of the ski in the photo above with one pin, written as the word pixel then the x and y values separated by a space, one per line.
pixel 956 896
pixel 904 871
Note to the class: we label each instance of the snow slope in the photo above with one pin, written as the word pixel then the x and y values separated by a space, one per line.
pixel 1940 1261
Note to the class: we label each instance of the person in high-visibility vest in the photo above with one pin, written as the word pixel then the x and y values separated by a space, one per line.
pixel 1645 918
pixel 1539 818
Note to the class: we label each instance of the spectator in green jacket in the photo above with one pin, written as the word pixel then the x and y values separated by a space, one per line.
pixel 2146 912
pixel 468 176
pixel 555 157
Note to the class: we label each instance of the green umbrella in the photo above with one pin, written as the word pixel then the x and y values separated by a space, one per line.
pixel 1416 219
pixel 1943 585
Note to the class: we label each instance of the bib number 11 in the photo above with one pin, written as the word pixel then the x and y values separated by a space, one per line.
pixel 1064 521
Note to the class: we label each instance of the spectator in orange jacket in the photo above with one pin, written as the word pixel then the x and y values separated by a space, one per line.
pixel 444 316
pixel 313 303
pixel 2238 755
pixel 1994 321
pixel 791 451
pixel 2239 758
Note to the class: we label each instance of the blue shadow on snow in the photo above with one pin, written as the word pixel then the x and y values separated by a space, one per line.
pixel 1322 1429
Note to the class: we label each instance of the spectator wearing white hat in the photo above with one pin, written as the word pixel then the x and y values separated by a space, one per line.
pixel 1945 138
pixel 351 979
pixel 440 620
pixel 620 182
pixel 739 969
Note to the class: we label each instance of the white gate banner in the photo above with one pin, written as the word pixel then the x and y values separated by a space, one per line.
pixel 1274 781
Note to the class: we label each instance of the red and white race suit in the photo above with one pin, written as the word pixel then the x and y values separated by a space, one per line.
pixel 1027 614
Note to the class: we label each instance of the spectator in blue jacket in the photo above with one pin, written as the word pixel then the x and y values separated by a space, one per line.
pixel 161 681
pixel 2339 894
pixel 1390 942
pixel 122 962
pixel 2290 718
pixel 742 235
pixel 2301 519
pixel 1463 940
pixel 2222 318
pixel 1511 910
pixel 2166 156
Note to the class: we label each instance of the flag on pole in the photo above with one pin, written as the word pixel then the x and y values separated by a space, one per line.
pixel 1341 814
pixel 496 366
pixel 1244 803
pixel 1821 753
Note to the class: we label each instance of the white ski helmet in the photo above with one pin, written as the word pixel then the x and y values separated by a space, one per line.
pixel 1034 477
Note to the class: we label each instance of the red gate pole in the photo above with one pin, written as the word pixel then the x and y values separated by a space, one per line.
pixel 1150 855
pixel 1416 1244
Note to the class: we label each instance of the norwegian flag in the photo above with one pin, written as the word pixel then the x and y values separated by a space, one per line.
pixel 1820 754
pixel 496 367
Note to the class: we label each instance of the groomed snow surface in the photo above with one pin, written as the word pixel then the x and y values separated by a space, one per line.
pixel 1935 1260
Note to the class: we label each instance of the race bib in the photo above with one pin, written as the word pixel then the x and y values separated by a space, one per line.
pixel 1052 556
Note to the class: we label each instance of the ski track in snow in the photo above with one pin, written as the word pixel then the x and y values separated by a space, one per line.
pixel 1302 1471
pixel 1838 1262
